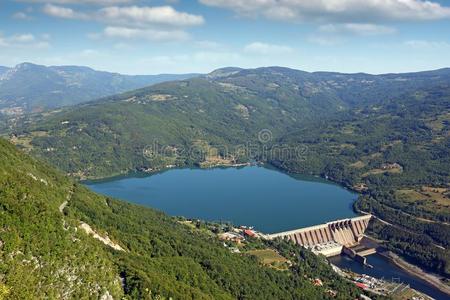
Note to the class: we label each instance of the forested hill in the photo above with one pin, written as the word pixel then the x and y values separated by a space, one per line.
pixel 130 252
pixel 227 107
pixel 29 87
pixel 385 136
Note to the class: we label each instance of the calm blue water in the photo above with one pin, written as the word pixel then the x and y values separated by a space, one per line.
pixel 270 200
pixel 383 268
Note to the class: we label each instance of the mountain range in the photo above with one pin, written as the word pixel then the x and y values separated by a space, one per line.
pixel 228 106
pixel 384 136
pixel 29 87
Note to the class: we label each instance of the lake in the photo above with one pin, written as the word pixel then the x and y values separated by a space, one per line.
pixel 265 198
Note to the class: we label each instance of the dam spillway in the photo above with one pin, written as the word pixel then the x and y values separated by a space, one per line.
pixel 329 238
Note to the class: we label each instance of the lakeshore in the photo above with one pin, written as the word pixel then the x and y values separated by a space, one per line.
pixel 242 195
pixel 270 200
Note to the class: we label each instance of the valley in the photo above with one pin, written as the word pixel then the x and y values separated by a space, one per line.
pixel 225 149
pixel 100 247
pixel 365 135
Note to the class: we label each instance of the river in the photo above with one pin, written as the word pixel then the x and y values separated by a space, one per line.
pixel 385 269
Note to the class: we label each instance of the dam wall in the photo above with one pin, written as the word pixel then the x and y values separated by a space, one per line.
pixel 328 238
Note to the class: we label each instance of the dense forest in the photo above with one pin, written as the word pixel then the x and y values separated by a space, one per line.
pixel 45 253
pixel 385 136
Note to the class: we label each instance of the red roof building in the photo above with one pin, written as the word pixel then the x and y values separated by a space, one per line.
pixel 249 233
pixel 361 285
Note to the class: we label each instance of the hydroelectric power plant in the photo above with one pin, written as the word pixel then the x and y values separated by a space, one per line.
pixel 331 238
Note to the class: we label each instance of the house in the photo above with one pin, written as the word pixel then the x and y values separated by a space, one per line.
pixel 249 233
pixel 231 236
pixel 361 285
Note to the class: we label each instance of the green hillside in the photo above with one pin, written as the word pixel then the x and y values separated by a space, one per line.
pixel 386 136
pixel 107 137
pixel 45 251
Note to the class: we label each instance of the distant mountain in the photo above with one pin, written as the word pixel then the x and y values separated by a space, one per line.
pixel 223 72
pixel 29 87
pixel 3 69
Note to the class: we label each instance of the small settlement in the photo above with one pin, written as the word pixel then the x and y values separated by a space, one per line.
pixel 341 237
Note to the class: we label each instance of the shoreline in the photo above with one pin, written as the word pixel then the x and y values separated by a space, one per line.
pixel 140 173
pixel 414 270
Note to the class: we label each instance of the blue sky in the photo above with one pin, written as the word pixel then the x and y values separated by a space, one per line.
pixel 180 36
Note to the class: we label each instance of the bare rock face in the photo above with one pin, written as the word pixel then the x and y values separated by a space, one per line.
pixel 106 296
pixel 105 240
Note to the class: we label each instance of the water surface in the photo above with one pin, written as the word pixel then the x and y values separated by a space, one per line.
pixel 384 269
pixel 270 200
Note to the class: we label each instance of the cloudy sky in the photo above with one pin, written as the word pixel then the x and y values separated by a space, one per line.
pixel 179 36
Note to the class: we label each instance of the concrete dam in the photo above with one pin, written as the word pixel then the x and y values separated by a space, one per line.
pixel 328 239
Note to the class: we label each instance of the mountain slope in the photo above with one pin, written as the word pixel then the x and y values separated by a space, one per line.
pixel 42 254
pixel 108 136
pixel 34 87
pixel 385 136
pixel 136 252
pixel 175 113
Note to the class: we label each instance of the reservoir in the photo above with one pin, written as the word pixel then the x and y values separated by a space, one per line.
pixel 267 199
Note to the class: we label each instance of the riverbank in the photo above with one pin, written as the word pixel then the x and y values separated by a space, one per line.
pixel 380 286
pixel 432 279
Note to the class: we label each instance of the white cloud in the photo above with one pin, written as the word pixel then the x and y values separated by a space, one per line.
pixel 123 46
pixel 334 34
pixel 89 53
pixel 423 44
pixel 205 44
pixel 25 40
pixel 217 58
pixel 142 16
pixel 20 16
pixel 97 2
pixel 46 36
pixel 94 35
pixel 343 11
pixel 63 12
pixel 130 15
pixel 203 61
pixel 357 28
pixel 158 23
pixel 325 40
pixel 148 34
pixel 265 49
